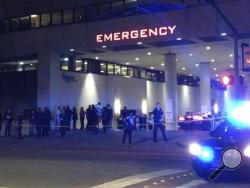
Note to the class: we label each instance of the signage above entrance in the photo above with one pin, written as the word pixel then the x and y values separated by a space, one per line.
pixel 135 34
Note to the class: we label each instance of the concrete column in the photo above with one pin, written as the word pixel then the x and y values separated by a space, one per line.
pixel 205 87
pixel 171 91
pixel 48 73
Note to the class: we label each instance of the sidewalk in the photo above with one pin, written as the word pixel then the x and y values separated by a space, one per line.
pixel 85 142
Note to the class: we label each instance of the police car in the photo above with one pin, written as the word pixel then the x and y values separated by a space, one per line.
pixel 233 133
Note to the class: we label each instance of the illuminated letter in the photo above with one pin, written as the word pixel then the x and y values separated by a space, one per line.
pixel 117 36
pixel 99 38
pixel 134 34
pixel 125 35
pixel 108 37
pixel 163 31
pixel 143 33
pixel 172 29
pixel 153 32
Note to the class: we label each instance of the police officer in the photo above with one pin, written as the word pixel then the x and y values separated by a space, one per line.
pixel 8 117
pixel 129 126
pixel 158 122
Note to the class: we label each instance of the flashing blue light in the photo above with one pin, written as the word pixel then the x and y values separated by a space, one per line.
pixel 206 154
pixel 239 115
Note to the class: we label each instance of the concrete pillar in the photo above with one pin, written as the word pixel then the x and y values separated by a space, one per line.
pixel 48 73
pixel 171 91
pixel 205 87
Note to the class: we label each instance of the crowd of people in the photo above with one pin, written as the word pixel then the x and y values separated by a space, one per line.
pixel 39 121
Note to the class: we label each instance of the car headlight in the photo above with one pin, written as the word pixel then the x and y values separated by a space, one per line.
pixel 246 151
pixel 195 149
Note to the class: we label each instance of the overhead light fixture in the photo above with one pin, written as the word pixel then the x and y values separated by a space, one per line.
pixel 104 46
pixel 218 79
pixel 231 55
pixel 215 68
pixel 183 68
pixel 151 68
pixel 223 34
pixel 127 63
pixel 137 58
pixel 162 64
pixel 231 65
pixel 31 64
pixel 197 65
pixel 212 60
pixel 243 75
pixel 179 38
pixel 190 74
pixel 21 62
pixel 96 57
pixel 208 48
pixel 139 43
pixel 72 50
pixel 176 59
pixel 33 15
pixel 217 75
pixel 66 59
pixel 190 54
pixel 149 53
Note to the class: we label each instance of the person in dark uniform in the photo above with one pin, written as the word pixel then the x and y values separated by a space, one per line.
pixel 129 126
pixel 46 124
pixel 8 118
pixel 68 115
pixel 93 119
pixel 88 111
pixel 158 122
pixel 63 123
pixel 32 123
pixel 74 118
pixel 39 122
pixel 19 126
pixel 82 115
pixel 1 121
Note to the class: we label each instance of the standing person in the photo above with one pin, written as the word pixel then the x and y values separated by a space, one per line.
pixel 1 122
pixel 46 118
pixel 129 126
pixel 158 122
pixel 88 113
pixel 98 109
pixel 82 115
pixel 68 116
pixel 107 117
pixel 124 114
pixel 8 118
pixel 19 126
pixel 63 123
pixel 74 117
pixel 32 122
pixel 94 119
pixel 39 122
pixel 58 119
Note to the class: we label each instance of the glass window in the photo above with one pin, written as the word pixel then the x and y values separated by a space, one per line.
pixel 25 22
pixel 131 71
pixel 45 19
pixel 4 26
pixel 85 66
pixel 14 24
pixel 67 16
pixel 79 14
pixel 8 67
pixel 124 71
pixel 148 75
pixel 117 4
pixel 103 68
pixel 78 65
pixel 143 73
pixel 91 12
pixel 110 68
pixel 35 20
pixel 117 69
pixel 104 7
pixel 56 18
pixel 65 65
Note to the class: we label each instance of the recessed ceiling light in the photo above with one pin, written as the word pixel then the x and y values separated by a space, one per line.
pixel 127 63
pixel 139 43
pixel 208 48
pixel 197 65
pixel 212 60
pixel 190 54
pixel 231 55
pixel 21 62
pixel 33 15
pixel 104 46
pixel 137 58
pixel 152 68
pixel 183 68
pixel 217 75
pixel 96 57
pixel 179 38
pixel 149 53
pixel 223 34
pixel 162 64
pixel 190 74
pixel 218 79
pixel 215 68
pixel 243 75
pixel 31 64
pixel 66 59
pixel 231 65
pixel 72 50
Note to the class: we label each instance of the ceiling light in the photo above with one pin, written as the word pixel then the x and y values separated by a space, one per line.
pixel 66 59
pixel 243 75
pixel 149 53
pixel 104 46
pixel 96 57
pixel 190 74
pixel 162 64
pixel 183 68
pixel 137 58
pixel 33 15
pixel 216 75
pixel 223 34
pixel 139 43
pixel 151 68
pixel 231 65
pixel 72 50
pixel 208 48
pixel 178 38
pixel 215 69
pixel 231 55
pixel 176 59
pixel 31 64
pixel 190 54
pixel 197 65
pixel 21 62
pixel 212 60
pixel 218 79
pixel 127 63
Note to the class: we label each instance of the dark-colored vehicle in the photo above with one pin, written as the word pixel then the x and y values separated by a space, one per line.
pixel 208 154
